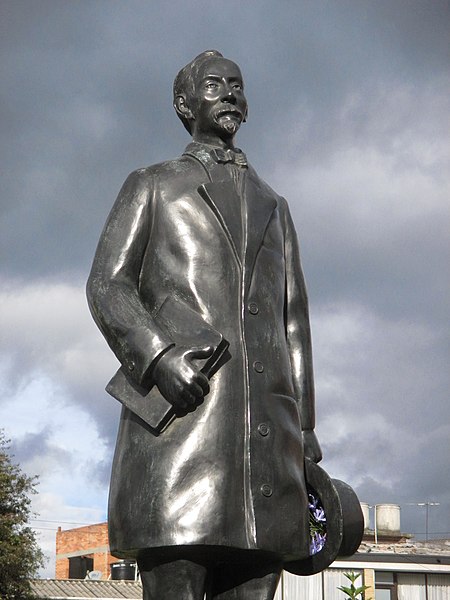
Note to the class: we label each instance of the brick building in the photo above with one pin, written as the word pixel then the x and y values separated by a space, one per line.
pixel 83 549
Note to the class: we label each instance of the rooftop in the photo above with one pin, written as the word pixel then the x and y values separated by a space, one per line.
pixel 407 546
pixel 80 589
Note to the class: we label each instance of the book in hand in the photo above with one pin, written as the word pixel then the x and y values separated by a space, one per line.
pixel 186 329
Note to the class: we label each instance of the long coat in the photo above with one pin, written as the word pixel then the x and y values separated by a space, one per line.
pixel 230 474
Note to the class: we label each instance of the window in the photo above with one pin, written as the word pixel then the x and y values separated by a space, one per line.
pixel 385 585
pixel 411 586
pixel 79 566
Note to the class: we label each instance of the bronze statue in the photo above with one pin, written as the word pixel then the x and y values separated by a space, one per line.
pixel 198 289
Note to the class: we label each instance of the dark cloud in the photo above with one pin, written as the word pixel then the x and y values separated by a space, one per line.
pixel 99 472
pixel 87 95
pixel 31 445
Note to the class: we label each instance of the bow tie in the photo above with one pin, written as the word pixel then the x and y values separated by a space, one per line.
pixel 229 156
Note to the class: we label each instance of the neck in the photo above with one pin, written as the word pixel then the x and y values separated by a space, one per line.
pixel 213 140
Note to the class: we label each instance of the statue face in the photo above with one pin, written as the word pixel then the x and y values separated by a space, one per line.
pixel 219 105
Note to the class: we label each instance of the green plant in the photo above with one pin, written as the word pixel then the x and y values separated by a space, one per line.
pixel 353 592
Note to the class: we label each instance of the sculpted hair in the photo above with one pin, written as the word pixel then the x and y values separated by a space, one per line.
pixel 184 81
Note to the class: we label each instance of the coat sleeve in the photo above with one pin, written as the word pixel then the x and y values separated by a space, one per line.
pixel 113 285
pixel 298 329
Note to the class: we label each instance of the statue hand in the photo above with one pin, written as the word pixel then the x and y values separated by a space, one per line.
pixel 311 446
pixel 179 381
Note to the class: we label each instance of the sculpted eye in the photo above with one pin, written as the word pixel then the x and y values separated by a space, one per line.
pixel 237 86
pixel 211 85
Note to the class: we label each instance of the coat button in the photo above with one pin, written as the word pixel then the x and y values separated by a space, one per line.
pixel 131 366
pixel 266 490
pixel 258 366
pixel 253 308
pixel 263 429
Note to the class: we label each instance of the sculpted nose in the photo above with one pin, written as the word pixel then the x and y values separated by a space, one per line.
pixel 229 95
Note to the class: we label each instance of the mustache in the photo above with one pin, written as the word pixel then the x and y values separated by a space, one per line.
pixel 228 110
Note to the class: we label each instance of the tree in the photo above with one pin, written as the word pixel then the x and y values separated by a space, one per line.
pixel 20 556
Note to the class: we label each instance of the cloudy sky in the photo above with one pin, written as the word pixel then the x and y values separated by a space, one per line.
pixel 349 107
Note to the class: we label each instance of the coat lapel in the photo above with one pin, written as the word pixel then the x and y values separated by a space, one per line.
pixel 223 200
pixel 220 194
pixel 260 203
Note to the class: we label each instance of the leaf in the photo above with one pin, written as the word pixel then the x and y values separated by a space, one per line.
pixel 361 589
pixel 346 590
pixel 353 592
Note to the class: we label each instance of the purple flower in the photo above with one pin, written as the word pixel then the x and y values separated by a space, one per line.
pixel 312 504
pixel 317 523
pixel 317 543
pixel 319 515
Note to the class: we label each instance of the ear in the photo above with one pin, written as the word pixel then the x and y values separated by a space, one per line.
pixel 183 110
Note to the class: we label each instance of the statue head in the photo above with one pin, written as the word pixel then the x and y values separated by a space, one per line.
pixel 208 96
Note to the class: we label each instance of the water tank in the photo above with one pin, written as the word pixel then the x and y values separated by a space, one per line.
pixel 366 515
pixel 388 519
pixel 123 570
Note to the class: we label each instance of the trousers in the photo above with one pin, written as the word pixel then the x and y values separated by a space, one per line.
pixel 241 578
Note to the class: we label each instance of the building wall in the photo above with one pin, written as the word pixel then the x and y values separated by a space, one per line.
pixel 324 586
pixel 91 541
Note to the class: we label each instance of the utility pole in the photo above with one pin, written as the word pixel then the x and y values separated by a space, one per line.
pixel 427 507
